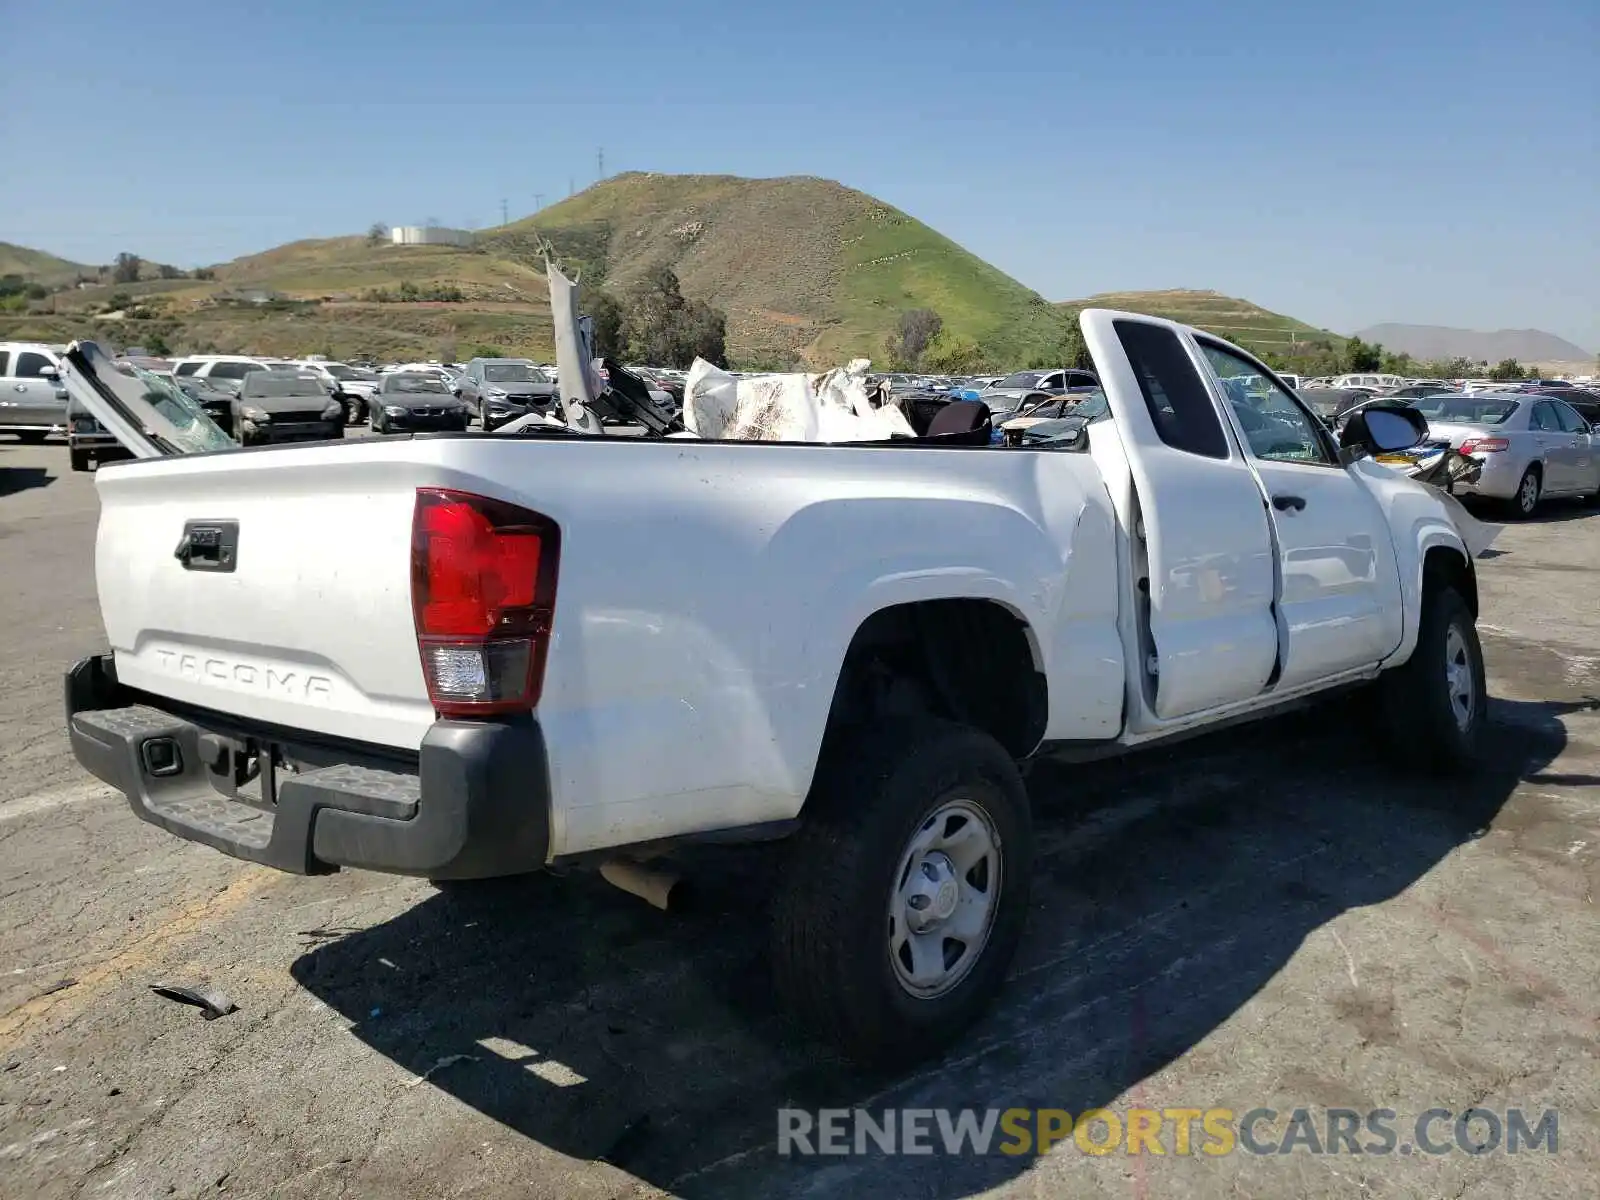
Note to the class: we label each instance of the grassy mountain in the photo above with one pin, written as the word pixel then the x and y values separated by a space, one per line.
pixel 800 265
pixel 1241 322
pixel 804 268
pixel 38 267
pixel 1443 343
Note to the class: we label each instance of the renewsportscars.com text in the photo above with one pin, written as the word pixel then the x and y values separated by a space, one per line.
pixel 1212 1132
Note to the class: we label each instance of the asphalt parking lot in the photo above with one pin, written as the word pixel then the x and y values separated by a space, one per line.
pixel 1269 918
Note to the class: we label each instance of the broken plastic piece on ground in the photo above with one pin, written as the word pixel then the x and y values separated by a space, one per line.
pixel 449 1060
pixel 213 1002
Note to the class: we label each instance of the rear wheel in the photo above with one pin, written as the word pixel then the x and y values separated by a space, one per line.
pixel 1528 492
pixel 80 460
pixel 906 891
pixel 1434 708
pixel 32 437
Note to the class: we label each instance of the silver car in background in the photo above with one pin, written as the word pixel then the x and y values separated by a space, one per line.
pixel 1531 447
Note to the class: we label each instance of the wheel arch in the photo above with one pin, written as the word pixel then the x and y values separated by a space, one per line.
pixel 977 660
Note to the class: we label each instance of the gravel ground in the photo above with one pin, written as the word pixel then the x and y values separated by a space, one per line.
pixel 1268 918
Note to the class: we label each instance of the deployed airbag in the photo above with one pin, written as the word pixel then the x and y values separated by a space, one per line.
pixel 832 407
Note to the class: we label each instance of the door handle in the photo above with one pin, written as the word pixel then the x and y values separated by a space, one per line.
pixel 1282 503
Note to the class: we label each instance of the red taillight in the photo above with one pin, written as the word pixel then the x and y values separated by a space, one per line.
pixel 1488 445
pixel 483 592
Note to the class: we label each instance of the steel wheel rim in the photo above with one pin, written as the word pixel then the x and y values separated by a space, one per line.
pixel 944 898
pixel 1530 492
pixel 1459 678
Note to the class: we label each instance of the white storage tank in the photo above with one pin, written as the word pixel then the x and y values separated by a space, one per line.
pixel 429 235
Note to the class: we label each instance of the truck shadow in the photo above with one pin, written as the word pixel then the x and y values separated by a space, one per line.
pixel 1171 888
pixel 21 479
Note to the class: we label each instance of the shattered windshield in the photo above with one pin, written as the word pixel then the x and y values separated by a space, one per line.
pixel 192 431
pixel 1022 379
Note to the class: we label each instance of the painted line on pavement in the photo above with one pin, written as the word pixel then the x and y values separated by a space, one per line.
pixel 73 793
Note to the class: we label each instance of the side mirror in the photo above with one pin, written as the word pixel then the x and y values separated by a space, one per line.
pixel 50 373
pixel 1382 429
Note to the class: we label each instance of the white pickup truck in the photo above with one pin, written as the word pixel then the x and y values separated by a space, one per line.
pixel 469 655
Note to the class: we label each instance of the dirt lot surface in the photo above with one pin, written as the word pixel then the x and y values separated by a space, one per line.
pixel 1270 918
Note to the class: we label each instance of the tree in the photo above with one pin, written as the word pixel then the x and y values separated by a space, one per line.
pixel 1507 368
pixel 156 344
pixel 166 271
pixel 1074 350
pixel 377 234
pixel 1362 356
pixel 953 354
pixel 447 350
pixel 916 328
pixel 606 314
pixel 661 328
pixel 204 273
pixel 126 269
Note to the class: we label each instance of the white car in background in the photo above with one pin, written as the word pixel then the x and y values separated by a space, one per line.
pixel 352 386
pixel 1532 447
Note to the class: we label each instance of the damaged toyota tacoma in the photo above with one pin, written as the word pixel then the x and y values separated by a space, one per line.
pixel 464 655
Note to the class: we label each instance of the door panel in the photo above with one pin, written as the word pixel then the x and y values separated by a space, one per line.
pixel 30 398
pixel 1207 547
pixel 1338 591
pixel 1555 447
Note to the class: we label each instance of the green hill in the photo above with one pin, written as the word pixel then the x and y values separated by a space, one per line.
pixel 802 266
pixel 806 269
pixel 38 267
pixel 1241 322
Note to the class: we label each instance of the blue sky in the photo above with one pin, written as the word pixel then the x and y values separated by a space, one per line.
pixel 1412 160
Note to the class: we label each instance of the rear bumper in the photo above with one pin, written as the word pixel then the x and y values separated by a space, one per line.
pixel 1502 475
pixel 473 803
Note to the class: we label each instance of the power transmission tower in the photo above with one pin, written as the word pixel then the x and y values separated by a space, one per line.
pixel 571 186
pixel 600 164
pixel 538 201
pixel 504 219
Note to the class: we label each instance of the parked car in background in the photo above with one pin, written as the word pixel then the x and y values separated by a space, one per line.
pixel 285 406
pixel 1585 400
pixel 220 370
pixel 33 404
pixel 412 401
pixel 1413 391
pixel 1025 387
pixel 1531 447
pixel 351 386
pixel 1331 403
pixel 498 390
pixel 1376 382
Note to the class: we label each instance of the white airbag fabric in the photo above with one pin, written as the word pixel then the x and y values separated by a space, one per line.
pixel 832 407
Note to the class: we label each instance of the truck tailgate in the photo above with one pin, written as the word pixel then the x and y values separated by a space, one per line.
pixel 309 626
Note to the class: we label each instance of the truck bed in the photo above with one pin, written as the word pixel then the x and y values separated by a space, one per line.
pixel 706 597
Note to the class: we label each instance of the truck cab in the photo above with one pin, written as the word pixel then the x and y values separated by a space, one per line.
pixel 33 404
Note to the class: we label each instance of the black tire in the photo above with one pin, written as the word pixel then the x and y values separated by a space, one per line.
pixel 1520 504
pixel 32 437
pixel 832 923
pixel 80 460
pixel 1416 703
